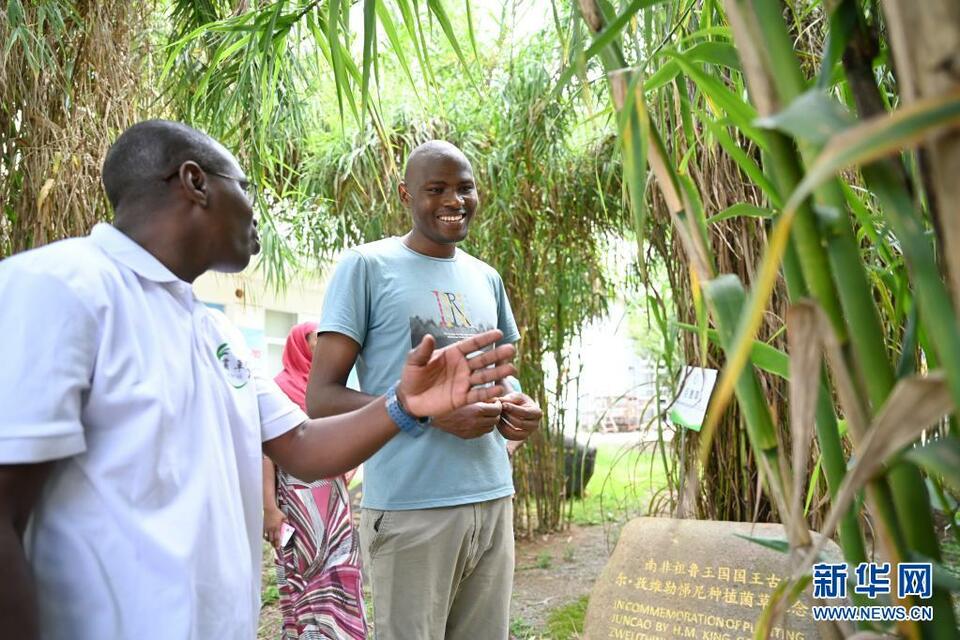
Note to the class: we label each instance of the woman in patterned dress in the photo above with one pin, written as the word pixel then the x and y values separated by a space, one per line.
pixel 318 569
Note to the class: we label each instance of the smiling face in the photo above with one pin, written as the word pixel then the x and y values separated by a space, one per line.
pixel 441 194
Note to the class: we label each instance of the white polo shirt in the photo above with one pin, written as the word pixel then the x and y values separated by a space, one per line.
pixel 149 526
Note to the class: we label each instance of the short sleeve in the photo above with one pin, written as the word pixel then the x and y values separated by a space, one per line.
pixel 347 301
pixel 278 413
pixel 48 341
pixel 505 320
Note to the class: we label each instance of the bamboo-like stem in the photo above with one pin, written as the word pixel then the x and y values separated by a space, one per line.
pixel 726 297
pixel 890 177
pixel 867 338
pixel 910 494
pixel 926 47
pixel 854 291
pixel 828 435
pixel 780 83
pixel 776 71
pixel 835 468
pixel 846 268
pixel 806 238
pixel 823 258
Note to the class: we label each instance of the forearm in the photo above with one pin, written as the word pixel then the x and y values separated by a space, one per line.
pixel 332 399
pixel 18 602
pixel 330 446
pixel 269 484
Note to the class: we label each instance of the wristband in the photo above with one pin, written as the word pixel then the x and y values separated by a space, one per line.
pixel 407 423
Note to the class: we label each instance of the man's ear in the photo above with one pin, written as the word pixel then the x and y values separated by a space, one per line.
pixel 194 182
pixel 404 194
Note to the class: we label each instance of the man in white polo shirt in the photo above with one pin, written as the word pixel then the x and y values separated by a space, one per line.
pixel 131 428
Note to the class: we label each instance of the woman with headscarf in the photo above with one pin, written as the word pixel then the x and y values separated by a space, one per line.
pixel 318 566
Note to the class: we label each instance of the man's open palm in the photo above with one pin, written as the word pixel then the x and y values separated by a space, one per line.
pixel 437 382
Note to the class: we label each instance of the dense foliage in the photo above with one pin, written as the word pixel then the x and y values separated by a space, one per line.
pixel 789 171
pixel 869 316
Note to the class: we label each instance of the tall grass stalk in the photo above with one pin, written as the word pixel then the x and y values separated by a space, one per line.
pixel 815 241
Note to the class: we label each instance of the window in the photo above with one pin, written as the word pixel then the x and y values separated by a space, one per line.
pixel 277 325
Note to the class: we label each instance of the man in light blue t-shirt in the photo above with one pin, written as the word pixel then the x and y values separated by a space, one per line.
pixel 436 527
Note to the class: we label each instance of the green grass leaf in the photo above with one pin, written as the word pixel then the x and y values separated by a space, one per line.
pixel 860 144
pixel 369 36
pixel 606 37
pixel 763 356
pixel 390 28
pixel 744 161
pixel 781 546
pixel 716 93
pixel 436 7
pixel 740 210
pixel 813 117
pixel 714 52
pixel 939 457
pixel 662 76
pixel 566 622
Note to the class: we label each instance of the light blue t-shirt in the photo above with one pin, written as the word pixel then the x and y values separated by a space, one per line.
pixel 387 297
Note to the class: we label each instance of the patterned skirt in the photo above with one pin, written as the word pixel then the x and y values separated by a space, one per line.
pixel 318 570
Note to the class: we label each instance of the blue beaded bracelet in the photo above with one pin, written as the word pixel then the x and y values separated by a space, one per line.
pixel 405 422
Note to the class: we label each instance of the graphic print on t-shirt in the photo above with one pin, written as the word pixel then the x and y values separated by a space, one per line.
pixel 451 324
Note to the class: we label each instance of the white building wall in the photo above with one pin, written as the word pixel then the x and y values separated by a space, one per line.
pixel 263 315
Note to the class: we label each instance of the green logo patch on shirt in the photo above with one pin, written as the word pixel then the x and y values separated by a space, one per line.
pixel 238 374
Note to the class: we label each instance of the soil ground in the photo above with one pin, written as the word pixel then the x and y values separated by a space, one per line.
pixel 557 569
pixel 551 571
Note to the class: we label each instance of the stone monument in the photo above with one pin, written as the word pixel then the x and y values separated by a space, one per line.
pixel 696 580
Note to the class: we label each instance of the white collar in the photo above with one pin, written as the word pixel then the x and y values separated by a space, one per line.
pixel 126 251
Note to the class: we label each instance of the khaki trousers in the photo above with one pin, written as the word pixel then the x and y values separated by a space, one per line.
pixel 440 574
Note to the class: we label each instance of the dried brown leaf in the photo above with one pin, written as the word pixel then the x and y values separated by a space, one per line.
pixel 804 348
pixel 913 406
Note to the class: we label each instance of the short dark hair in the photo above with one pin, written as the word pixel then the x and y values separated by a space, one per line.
pixel 149 151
